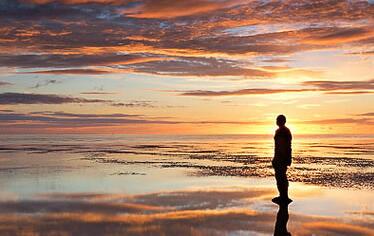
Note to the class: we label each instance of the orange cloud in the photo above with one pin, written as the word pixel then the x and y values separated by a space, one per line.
pixel 164 9
pixel 339 35
pixel 332 228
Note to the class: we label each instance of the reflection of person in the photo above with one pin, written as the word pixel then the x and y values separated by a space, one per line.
pixel 282 159
pixel 281 222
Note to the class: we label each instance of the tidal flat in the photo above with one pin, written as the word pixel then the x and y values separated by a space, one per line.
pixel 182 185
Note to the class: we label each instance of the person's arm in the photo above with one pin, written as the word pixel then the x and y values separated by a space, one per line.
pixel 289 161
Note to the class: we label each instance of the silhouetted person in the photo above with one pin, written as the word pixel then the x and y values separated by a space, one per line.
pixel 282 159
pixel 282 220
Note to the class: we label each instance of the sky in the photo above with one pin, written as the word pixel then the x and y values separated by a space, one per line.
pixel 186 67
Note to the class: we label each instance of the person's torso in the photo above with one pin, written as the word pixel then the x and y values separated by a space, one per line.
pixel 282 141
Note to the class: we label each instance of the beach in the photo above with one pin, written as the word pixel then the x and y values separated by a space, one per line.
pixel 196 118
pixel 183 185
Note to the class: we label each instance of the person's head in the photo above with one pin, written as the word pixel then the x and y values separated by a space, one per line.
pixel 281 120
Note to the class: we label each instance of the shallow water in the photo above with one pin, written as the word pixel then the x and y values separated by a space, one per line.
pixel 185 185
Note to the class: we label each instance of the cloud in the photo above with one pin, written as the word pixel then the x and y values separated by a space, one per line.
pixel 88 33
pixel 224 122
pixel 71 71
pixel 198 38
pixel 61 61
pixel 364 53
pixel 340 35
pixel 340 121
pixel 366 114
pixel 54 122
pixel 205 93
pixel 98 90
pixel 59 120
pixel 97 93
pixel 351 92
pixel 336 228
pixel 188 66
pixel 2 83
pixel 145 104
pixel 135 63
pixel 73 2
pixel 62 120
pixel 328 87
pixel 342 85
pixel 276 60
pixel 45 83
pixel 164 9
pixel 32 98
pixel 79 115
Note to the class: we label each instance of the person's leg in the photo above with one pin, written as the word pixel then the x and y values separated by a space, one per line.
pixel 282 185
pixel 282 181
pixel 278 178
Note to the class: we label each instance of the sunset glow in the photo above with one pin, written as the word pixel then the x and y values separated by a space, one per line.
pixel 186 67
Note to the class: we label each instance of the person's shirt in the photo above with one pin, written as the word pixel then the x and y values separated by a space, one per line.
pixel 283 151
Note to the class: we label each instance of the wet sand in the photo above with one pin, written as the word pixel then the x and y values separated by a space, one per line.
pixel 84 185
